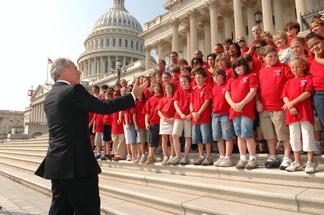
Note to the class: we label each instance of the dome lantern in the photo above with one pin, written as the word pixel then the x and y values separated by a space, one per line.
pixel 119 4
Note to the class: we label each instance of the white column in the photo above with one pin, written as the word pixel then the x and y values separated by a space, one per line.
pixel 278 15
pixel 300 9
pixel 227 26
pixel 159 49
pixel 92 66
pixel 188 45
pixel 175 35
pixel 147 57
pixel 267 15
pixel 213 23
pixel 207 39
pixel 101 65
pixel 238 18
pixel 193 31
pixel 89 68
pixel 124 61
pixel 310 5
pixel 250 21
pixel 109 64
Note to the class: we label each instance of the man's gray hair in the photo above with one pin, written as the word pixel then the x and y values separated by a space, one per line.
pixel 57 67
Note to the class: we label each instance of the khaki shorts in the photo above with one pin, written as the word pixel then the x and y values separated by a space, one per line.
pixel 317 124
pixel 98 139
pixel 273 125
pixel 182 126
pixel 141 135
pixel 119 146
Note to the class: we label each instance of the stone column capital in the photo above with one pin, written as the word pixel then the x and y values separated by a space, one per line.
pixel 174 22
pixel 212 3
pixel 193 13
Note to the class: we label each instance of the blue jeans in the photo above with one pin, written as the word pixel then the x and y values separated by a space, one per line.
pixel 243 126
pixel 318 100
pixel 201 133
pixel 222 128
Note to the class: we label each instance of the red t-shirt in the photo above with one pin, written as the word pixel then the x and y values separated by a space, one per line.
pixel 98 122
pixel 272 81
pixel 229 73
pixel 294 88
pixel 129 114
pixel 147 93
pixel 317 72
pixel 166 106
pixel 220 105
pixel 151 107
pixel 115 127
pixel 198 98
pixel 239 88
pixel 140 117
pixel 183 97
pixel 175 83
pixel 107 119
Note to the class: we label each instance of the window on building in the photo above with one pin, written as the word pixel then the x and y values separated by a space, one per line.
pixel 132 44
pixel 107 42
pixel 137 46
pixel 126 43
pixel 101 43
pixel 120 42
pixel 141 47
pixel 114 42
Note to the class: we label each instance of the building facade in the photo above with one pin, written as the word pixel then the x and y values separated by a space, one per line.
pixel 114 42
pixel 189 25
pixel 10 121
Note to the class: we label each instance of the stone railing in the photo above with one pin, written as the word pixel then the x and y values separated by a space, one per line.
pixel 306 17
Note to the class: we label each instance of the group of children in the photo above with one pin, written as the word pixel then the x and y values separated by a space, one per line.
pixel 224 101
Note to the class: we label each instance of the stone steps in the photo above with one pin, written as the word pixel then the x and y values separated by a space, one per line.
pixel 148 183
pixel 109 205
pixel 128 188
pixel 123 199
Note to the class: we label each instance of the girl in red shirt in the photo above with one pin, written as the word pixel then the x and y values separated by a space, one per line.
pixel 152 121
pixel 182 123
pixel 240 92
pixel 299 115
pixel 166 112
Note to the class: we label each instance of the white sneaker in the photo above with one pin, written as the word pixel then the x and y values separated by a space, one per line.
pixel 165 160
pixel 142 159
pixel 219 161
pixel 129 157
pixel 171 158
pixel 294 166
pixel 285 163
pixel 310 167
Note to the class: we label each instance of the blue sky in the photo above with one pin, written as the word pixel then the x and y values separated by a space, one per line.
pixel 33 30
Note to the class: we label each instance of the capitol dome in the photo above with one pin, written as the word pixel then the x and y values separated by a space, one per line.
pixel 116 17
pixel 114 38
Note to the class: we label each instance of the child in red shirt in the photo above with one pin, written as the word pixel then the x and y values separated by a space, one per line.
pixel 166 112
pixel 200 112
pixel 182 123
pixel 117 133
pixel 299 115
pixel 240 92
pixel 139 123
pixel 272 79
pixel 152 121
pixel 222 127
pixel 107 128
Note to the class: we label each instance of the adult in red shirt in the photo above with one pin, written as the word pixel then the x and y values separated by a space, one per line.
pixel 315 44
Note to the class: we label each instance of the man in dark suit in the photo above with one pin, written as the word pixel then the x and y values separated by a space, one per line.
pixel 70 162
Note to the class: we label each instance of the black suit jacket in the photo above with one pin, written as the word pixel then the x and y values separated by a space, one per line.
pixel 69 153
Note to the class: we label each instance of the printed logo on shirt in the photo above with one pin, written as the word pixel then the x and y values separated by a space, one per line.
pixel 202 94
pixel 302 83
pixel 277 72
pixel 245 79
